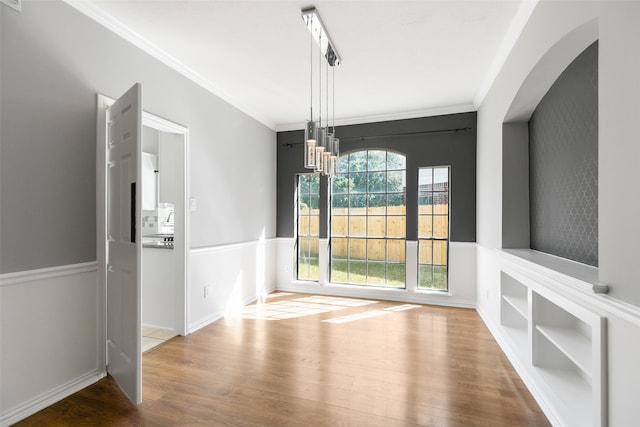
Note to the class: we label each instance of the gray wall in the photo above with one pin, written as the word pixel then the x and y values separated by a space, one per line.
pixel 54 62
pixel 422 143
pixel 563 164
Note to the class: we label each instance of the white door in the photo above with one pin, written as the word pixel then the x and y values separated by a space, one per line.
pixel 124 152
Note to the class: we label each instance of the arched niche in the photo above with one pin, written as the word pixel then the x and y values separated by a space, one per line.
pixel 515 132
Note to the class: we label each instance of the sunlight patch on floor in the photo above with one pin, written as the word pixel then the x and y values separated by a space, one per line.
pixel 305 306
pixel 368 314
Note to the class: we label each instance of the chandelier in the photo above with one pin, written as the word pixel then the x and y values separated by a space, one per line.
pixel 321 147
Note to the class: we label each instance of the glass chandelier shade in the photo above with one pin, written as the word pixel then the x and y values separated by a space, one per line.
pixel 310 143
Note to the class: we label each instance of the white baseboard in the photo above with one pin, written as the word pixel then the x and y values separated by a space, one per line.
pixel 46 399
pixel 399 295
pixel 516 362
pixel 205 321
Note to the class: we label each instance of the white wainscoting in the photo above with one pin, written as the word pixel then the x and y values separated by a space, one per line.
pixel 611 398
pixel 49 336
pixel 462 277
pixel 235 275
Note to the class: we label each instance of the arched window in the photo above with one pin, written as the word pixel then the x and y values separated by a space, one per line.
pixel 368 219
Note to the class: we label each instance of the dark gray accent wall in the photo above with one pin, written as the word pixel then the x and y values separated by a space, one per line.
pixel 563 164
pixel 54 62
pixel 428 141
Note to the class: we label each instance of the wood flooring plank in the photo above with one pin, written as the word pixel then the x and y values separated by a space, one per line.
pixel 386 364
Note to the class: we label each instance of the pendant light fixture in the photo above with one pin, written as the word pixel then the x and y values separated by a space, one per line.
pixel 320 146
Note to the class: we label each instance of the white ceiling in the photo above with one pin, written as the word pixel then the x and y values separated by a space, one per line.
pixel 399 58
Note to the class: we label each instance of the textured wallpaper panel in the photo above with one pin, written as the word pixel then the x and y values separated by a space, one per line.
pixel 563 164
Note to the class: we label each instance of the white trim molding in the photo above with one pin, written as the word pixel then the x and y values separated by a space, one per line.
pixel 7 279
pixel 49 398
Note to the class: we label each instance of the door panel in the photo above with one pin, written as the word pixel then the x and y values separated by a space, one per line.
pixel 124 359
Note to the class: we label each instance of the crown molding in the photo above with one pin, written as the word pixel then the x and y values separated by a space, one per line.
pixel 440 111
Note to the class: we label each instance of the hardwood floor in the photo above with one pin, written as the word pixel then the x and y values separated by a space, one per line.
pixel 302 360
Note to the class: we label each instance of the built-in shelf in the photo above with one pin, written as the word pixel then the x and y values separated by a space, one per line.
pixel 572 396
pixel 559 343
pixel 519 304
pixel 514 312
pixel 574 345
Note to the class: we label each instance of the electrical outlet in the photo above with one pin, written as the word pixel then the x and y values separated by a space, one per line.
pixel 287 268
pixel 207 291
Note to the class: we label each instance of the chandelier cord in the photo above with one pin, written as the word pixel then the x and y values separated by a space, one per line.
pixel 333 98
pixel 311 71
pixel 320 84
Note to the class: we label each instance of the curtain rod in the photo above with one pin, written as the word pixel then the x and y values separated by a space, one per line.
pixel 393 135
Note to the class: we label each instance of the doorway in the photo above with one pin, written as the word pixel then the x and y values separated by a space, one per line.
pixel 163 295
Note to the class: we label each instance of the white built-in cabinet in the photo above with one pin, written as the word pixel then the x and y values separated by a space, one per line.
pixel 559 343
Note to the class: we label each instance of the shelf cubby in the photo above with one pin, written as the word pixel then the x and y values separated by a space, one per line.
pixel 568 350
pixel 514 311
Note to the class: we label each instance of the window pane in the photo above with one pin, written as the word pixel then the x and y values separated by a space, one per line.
pixel 339 271
pixel 377 160
pixel 339 248
pixel 340 184
pixel 376 274
pixel 395 181
pixel 396 161
pixel 357 249
pixel 314 225
pixel 357 204
pixel 440 277
pixel 303 225
pixel 425 203
pixel 304 246
pixel 314 184
pixel 425 179
pixel 340 201
pixel 343 163
pixel 314 245
pixel 425 276
pixel 377 204
pixel 425 252
pixel 396 251
pixel 303 184
pixel 440 252
pixel 376 226
pixel 396 275
pixel 441 203
pixel 358 182
pixel 425 226
pixel 305 205
pixel 440 179
pixel 357 226
pixel 304 267
pixel 395 199
pixel 376 250
pixel 358 161
pixel 357 272
pixel 441 226
pixel 396 226
pixel 377 182
pixel 339 225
